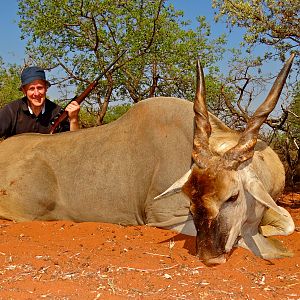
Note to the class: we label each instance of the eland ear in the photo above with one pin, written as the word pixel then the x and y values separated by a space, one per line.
pixel 254 186
pixel 175 187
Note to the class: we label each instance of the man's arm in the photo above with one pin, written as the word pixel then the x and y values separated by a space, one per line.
pixel 6 122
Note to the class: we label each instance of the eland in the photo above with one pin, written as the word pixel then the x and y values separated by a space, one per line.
pixel 117 173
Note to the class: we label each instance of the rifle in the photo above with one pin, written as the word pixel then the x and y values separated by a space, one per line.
pixel 63 114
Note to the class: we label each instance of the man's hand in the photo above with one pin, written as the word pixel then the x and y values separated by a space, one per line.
pixel 73 110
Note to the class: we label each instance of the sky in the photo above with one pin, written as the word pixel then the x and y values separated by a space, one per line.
pixel 11 46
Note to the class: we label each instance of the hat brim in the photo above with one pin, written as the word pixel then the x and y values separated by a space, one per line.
pixel 31 80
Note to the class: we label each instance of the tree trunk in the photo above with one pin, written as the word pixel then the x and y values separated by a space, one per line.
pixel 104 106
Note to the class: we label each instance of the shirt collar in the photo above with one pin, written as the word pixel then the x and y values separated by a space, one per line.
pixel 31 112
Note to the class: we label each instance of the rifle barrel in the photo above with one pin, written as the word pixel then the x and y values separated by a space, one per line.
pixel 84 94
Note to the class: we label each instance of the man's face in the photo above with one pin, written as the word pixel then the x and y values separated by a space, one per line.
pixel 35 93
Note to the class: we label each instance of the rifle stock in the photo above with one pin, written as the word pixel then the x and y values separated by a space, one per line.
pixel 63 115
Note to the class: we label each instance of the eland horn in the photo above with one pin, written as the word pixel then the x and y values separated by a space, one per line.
pixel 202 127
pixel 244 150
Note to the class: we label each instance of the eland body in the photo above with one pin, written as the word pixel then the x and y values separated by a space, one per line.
pixel 114 173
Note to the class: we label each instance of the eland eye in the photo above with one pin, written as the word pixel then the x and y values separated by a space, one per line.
pixel 233 198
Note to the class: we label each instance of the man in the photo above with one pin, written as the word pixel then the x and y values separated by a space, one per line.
pixel 34 112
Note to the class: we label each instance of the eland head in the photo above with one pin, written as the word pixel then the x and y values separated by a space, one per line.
pixel 224 190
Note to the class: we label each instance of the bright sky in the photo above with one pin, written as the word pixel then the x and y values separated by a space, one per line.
pixel 12 47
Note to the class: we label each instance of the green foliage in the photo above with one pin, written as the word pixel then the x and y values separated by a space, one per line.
pixel 116 112
pixel 9 83
pixel 87 118
pixel 294 115
pixel 271 22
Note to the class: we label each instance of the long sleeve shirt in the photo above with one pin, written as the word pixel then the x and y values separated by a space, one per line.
pixel 15 118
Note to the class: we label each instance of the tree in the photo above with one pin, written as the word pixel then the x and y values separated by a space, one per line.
pixel 292 144
pixel 9 83
pixel 81 37
pixel 294 114
pixel 274 23
pixel 115 112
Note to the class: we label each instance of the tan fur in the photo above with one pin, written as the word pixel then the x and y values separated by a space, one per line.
pixel 112 173
pixel 109 173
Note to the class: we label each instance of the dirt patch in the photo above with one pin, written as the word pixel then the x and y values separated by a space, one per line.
pixel 65 260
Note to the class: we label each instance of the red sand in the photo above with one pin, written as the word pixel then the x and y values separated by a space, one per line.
pixel 66 260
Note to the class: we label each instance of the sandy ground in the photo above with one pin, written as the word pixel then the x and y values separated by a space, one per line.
pixel 65 260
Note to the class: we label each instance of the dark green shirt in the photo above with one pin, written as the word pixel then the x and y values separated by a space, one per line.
pixel 15 118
